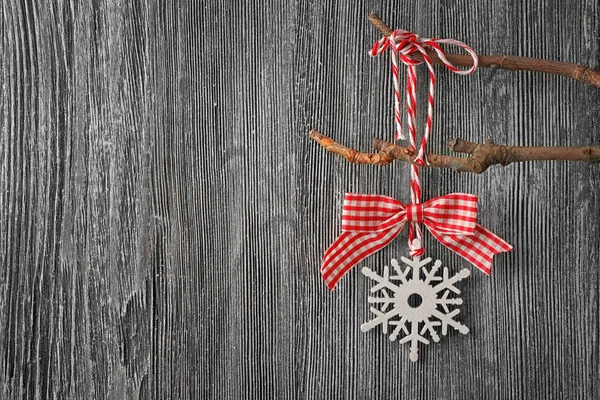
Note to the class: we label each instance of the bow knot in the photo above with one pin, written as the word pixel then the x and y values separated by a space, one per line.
pixel 414 213
pixel 371 222
pixel 414 38
pixel 407 43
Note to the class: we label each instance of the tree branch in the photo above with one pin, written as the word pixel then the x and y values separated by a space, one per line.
pixel 512 63
pixel 353 156
pixel 482 156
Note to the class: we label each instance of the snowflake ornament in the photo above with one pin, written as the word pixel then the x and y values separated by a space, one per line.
pixel 418 306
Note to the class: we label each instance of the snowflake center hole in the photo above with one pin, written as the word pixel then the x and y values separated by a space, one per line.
pixel 415 300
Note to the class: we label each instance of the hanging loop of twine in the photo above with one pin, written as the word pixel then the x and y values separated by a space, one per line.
pixel 404 44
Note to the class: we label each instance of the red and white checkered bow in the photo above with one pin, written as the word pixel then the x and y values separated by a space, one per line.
pixel 370 222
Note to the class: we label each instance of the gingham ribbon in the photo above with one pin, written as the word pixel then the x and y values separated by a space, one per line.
pixel 407 43
pixel 370 222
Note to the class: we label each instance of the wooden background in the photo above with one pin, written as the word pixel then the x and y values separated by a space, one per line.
pixel 163 213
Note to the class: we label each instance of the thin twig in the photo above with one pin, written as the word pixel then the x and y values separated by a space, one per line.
pixel 482 156
pixel 353 156
pixel 512 63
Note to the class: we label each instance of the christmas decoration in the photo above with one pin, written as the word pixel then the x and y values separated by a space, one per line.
pixel 413 305
pixel 418 306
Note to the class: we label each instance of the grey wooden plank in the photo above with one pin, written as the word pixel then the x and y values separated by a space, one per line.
pixel 163 213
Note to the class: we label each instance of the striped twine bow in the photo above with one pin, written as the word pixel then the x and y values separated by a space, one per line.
pixel 407 43
pixel 370 222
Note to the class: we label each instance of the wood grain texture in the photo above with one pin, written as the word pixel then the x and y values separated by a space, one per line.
pixel 163 212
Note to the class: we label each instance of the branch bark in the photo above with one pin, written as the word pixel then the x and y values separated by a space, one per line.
pixel 353 156
pixel 512 63
pixel 482 156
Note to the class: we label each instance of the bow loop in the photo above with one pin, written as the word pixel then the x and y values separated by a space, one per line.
pixel 370 213
pixel 454 213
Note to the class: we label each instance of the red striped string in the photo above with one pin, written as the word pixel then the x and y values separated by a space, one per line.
pixel 407 43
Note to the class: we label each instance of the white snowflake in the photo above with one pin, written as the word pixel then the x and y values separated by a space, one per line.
pixel 415 302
